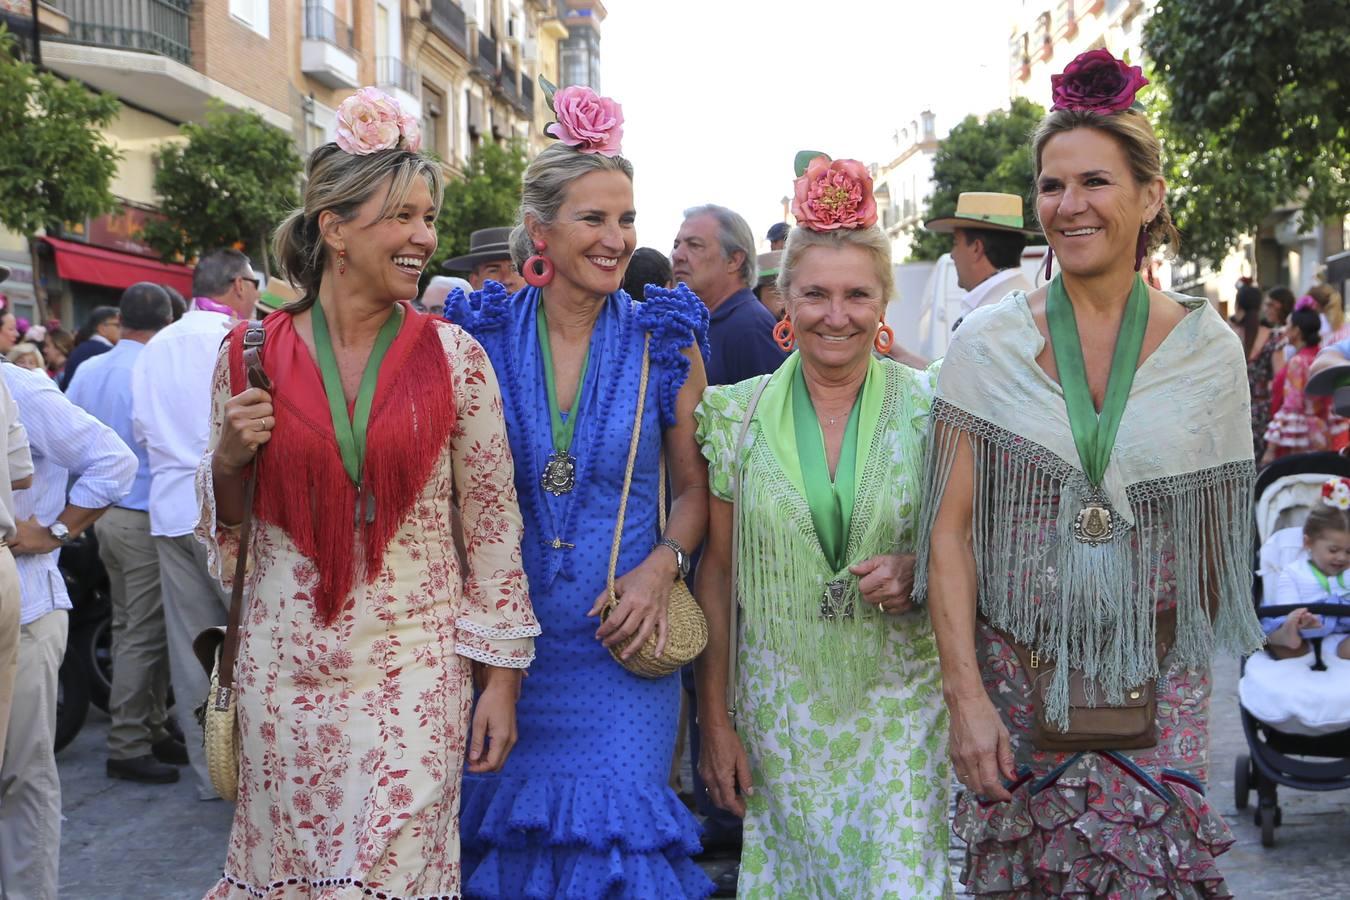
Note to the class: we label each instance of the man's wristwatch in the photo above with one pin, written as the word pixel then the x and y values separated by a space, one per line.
pixel 681 558
pixel 60 532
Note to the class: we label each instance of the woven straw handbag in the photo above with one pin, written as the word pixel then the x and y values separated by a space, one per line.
pixel 216 648
pixel 687 632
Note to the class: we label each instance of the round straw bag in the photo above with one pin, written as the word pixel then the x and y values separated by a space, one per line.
pixel 687 632
pixel 215 648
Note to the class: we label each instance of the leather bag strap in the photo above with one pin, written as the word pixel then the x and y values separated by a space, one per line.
pixel 628 472
pixel 733 641
pixel 257 378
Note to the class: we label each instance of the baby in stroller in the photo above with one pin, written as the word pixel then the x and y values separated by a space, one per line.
pixel 1298 686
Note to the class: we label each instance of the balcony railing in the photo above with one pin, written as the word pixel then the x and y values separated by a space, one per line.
pixel 151 26
pixel 323 25
pixel 448 18
pixel 390 71
pixel 508 83
pixel 487 54
pixel 527 96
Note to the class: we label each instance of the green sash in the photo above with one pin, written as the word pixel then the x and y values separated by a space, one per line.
pixel 1095 435
pixel 351 432
pixel 830 499
pixel 1324 581
pixel 563 429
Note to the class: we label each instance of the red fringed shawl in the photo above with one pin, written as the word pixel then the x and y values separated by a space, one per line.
pixel 303 488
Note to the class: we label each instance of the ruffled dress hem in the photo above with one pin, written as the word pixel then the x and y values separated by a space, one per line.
pixel 528 838
pixel 301 887
pixel 1099 827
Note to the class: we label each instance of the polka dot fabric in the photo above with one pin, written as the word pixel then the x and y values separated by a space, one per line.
pixel 582 808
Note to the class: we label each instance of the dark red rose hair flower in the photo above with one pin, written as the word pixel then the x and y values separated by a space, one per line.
pixel 1096 82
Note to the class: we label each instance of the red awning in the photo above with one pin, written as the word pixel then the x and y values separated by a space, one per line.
pixel 94 265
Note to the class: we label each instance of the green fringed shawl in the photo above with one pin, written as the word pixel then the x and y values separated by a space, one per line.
pixel 1180 482
pixel 783 571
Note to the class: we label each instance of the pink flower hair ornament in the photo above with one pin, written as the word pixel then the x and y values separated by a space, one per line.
pixel 1307 301
pixel 1097 82
pixel 370 121
pixel 832 194
pixel 586 121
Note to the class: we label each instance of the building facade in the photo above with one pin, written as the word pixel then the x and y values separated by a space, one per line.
pixel 1047 34
pixel 467 69
pixel 904 184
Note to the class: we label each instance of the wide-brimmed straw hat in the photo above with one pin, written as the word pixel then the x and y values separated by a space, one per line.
pixel 485 245
pixel 986 211
pixel 769 265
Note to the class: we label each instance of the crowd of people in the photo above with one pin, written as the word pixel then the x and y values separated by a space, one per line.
pixel 978 568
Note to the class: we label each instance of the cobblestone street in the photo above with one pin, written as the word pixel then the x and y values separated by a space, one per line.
pixel 160 843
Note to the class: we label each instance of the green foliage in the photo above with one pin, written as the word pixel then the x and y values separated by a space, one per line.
pixel 1253 111
pixel 989 155
pixel 55 165
pixel 232 182
pixel 487 197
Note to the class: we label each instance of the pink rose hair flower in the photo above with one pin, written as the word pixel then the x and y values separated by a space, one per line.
pixel 1096 82
pixel 370 121
pixel 834 194
pixel 587 122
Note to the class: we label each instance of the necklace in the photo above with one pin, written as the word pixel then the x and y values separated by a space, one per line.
pixel 1094 435
pixel 560 472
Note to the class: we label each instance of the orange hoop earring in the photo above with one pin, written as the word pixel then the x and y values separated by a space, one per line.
pixel 784 336
pixel 888 334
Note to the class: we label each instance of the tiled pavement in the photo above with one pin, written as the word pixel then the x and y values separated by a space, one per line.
pixel 159 843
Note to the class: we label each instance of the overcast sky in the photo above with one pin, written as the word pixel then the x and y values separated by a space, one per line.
pixel 718 95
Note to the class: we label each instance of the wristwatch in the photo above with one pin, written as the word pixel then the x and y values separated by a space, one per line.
pixel 60 532
pixel 681 558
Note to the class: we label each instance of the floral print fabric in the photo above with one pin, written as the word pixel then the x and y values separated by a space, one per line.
pixel 354 734
pixel 850 798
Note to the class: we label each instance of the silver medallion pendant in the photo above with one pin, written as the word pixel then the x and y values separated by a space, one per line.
pixel 832 604
pixel 1095 523
pixel 560 473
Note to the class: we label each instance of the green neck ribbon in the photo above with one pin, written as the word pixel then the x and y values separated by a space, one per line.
pixel 830 499
pixel 351 431
pixel 1324 581
pixel 562 429
pixel 1095 434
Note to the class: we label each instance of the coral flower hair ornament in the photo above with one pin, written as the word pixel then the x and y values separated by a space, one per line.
pixel 370 121
pixel 586 121
pixel 832 194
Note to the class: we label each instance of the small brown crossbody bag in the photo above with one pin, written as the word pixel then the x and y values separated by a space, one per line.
pixel 1130 725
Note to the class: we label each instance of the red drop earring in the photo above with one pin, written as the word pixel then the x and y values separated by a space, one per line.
pixel 1049 258
pixel 342 262
pixel 1141 248
pixel 538 269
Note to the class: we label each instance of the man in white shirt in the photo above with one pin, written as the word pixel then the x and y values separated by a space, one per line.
pixel 987 244
pixel 65 441
pixel 16 473
pixel 171 413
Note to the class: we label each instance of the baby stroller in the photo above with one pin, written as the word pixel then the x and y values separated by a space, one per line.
pixel 1285 491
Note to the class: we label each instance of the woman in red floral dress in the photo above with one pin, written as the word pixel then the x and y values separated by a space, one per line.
pixel 1300 423
pixel 364 630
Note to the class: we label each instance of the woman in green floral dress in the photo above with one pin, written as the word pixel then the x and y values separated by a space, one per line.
pixel 837 756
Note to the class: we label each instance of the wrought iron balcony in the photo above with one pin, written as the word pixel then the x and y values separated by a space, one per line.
pixel 149 26
pixel 392 72
pixel 487 54
pixel 323 25
pixel 527 97
pixel 447 18
pixel 508 82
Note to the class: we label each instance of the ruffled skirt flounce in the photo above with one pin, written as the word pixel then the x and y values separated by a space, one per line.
pixel 577 838
pixel 1101 829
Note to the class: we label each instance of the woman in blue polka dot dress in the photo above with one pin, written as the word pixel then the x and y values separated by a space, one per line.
pixel 583 808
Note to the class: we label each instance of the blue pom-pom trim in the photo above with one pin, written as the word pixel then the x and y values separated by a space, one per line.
pixel 481 311
pixel 676 318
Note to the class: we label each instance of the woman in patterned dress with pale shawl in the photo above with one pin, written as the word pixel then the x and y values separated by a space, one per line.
pixel 362 631
pixel 837 759
pixel 1089 483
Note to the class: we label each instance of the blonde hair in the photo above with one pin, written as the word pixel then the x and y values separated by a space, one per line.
pixel 543 188
pixel 1330 302
pixel 19 351
pixel 1143 152
pixel 343 182
pixel 873 240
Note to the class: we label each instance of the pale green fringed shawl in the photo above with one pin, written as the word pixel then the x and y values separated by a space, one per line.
pixel 782 569
pixel 1179 481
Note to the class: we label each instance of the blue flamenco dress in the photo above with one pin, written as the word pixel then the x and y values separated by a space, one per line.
pixel 583 808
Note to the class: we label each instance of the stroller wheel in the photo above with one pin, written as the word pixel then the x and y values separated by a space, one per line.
pixel 1268 824
pixel 1242 784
